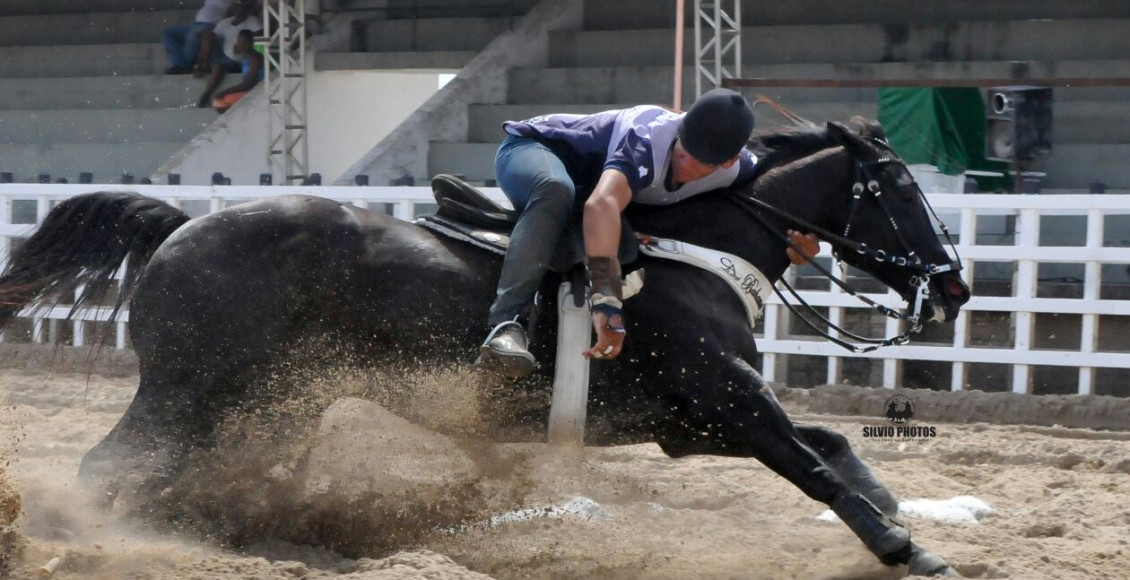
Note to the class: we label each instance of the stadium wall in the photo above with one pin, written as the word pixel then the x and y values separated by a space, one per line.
pixel 443 117
pixel 347 112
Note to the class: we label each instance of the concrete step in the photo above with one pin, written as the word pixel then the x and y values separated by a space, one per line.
pixel 82 60
pixel 25 7
pixel 404 61
pixel 1073 122
pixel 104 126
pixel 629 14
pixel 794 95
pixel 427 34
pixel 849 43
pixel 1075 165
pixel 485 121
pixel 1070 166
pixel 634 85
pixel 106 161
pixel 474 161
pixel 446 8
pixel 90 28
pixel 624 85
pixel 107 92
pixel 1090 122
pixel 1019 70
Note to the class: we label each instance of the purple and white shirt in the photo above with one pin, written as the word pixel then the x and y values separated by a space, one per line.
pixel 637 142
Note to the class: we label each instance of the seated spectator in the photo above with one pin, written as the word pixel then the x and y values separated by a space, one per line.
pixel 182 43
pixel 220 43
pixel 252 72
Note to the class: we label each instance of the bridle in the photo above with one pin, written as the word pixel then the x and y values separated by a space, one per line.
pixel 865 182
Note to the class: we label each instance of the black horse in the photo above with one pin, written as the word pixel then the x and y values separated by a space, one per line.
pixel 216 302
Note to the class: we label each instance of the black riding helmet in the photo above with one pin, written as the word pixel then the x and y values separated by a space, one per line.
pixel 717 126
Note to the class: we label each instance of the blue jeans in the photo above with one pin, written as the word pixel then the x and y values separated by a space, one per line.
pixel 537 183
pixel 182 43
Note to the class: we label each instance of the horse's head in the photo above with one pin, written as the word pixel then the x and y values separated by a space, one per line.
pixel 889 222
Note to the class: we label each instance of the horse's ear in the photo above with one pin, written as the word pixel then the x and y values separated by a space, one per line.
pixel 867 128
pixel 838 129
pixel 841 134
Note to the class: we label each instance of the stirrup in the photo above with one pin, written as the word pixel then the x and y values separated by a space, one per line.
pixel 506 355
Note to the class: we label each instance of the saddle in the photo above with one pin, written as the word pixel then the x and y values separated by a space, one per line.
pixel 466 214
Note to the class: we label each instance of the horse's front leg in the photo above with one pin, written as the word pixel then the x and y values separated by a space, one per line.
pixel 837 453
pixel 745 419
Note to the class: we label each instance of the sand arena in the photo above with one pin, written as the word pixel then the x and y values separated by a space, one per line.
pixel 376 497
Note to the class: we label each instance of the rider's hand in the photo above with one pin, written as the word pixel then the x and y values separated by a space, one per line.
pixel 808 243
pixel 609 342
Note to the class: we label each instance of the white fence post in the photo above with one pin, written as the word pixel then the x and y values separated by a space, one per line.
pixel 1024 289
pixel 404 210
pixel 5 222
pixel 892 368
pixel 967 232
pixel 835 363
pixel 772 323
pixel 42 207
pixel 5 244
pixel 1092 278
pixel 78 338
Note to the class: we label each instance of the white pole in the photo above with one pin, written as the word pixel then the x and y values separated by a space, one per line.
pixel 569 406
pixel 677 103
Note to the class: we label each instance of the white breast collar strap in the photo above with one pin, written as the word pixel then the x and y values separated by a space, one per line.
pixel 751 286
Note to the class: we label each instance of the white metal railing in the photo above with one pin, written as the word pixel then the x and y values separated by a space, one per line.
pixel 775 342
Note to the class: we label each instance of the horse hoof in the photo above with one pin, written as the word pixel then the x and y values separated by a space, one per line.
pixel 926 563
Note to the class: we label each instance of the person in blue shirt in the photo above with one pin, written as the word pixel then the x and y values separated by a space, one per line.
pixel 252 68
pixel 552 165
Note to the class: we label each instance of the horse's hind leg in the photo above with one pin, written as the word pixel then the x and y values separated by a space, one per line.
pixel 148 445
pixel 837 452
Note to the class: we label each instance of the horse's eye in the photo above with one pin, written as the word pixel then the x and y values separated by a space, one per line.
pixel 904 178
pixel 904 183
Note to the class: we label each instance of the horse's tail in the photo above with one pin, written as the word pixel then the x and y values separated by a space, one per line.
pixel 81 243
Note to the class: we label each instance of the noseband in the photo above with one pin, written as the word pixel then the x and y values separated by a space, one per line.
pixel 908 259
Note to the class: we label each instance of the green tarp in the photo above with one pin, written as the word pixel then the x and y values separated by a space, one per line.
pixel 944 127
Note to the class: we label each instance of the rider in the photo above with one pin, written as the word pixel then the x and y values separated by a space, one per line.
pixel 553 165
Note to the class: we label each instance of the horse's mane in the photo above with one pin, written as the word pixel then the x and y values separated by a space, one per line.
pixel 782 146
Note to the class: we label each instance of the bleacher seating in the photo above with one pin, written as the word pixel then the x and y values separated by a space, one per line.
pixel 83 89
pixel 622 55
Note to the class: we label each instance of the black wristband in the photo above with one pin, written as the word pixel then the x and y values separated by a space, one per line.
pixel 604 276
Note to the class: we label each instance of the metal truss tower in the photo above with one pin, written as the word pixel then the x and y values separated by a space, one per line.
pixel 284 30
pixel 718 43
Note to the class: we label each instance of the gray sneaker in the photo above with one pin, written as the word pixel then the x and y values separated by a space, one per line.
pixel 505 347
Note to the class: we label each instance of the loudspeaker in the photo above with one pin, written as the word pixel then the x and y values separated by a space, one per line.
pixel 1018 123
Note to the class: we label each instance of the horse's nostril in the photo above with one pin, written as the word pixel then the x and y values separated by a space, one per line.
pixel 957 289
